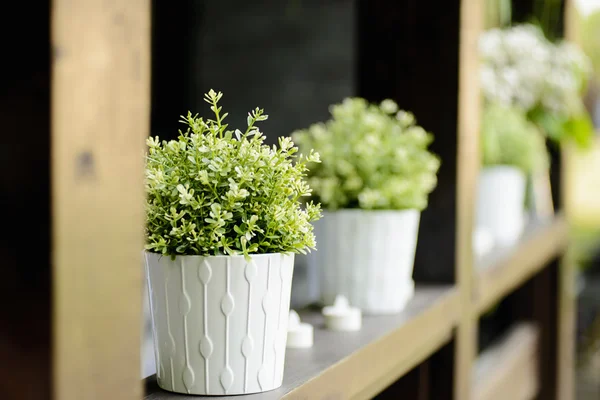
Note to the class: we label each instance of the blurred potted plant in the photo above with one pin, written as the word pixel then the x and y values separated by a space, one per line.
pixel 374 179
pixel 223 222
pixel 511 147
pixel 544 80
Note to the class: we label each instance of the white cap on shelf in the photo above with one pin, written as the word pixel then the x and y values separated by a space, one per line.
pixel 300 334
pixel 341 316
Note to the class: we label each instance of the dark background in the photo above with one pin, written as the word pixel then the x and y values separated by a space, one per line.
pixel 292 58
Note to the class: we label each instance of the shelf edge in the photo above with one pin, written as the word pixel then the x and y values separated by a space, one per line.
pixel 421 336
pixel 528 258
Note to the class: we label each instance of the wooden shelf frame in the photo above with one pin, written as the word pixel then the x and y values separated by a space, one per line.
pixel 335 366
pixel 505 269
pixel 509 368
pixel 438 329
pixel 477 284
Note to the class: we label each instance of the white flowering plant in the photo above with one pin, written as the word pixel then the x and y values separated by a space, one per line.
pixel 521 68
pixel 373 157
pixel 216 191
pixel 508 138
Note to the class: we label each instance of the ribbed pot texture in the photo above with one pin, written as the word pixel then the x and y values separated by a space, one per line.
pixel 219 323
pixel 367 256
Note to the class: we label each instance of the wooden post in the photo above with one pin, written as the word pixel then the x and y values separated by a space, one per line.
pixel 468 164
pixel 100 117
pixel 567 296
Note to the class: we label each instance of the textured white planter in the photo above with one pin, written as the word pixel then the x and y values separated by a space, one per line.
pixel 147 350
pixel 220 323
pixel 305 283
pixel 501 203
pixel 367 256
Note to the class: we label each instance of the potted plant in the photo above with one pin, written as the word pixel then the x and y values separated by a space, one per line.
pixel 223 221
pixel 374 180
pixel 521 68
pixel 511 147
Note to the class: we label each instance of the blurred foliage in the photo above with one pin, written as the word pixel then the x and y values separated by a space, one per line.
pixel 498 13
pixel 584 245
pixel 522 68
pixel 590 40
pixel 373 157
pixel 548 15
pixel 508 138
pixel 578 128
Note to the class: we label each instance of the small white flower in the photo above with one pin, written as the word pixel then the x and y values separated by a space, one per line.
pixel 389 106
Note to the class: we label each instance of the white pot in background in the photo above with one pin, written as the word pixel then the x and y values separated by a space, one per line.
pixel 501 203
pixel 368 257
pixel 220 323
pixel 305 283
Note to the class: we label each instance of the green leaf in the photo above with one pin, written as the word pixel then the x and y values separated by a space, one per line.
pixel 581 130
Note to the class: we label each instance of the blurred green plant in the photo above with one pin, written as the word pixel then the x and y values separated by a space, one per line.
pixel 584 244
pixel 548 14
pixel 373 157
pixel 219 191
pixel 546 80
pixel 590 40
pixel 498 13
pixel 508 138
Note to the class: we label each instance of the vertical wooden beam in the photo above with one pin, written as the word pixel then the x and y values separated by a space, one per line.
pixel 567 295
pixel 100 117
pixel 469 114
pixel 566 320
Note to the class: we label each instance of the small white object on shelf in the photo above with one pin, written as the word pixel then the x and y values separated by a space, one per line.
pixel 501 203
pixel 341 316
pixel 483 242
pixel 300 334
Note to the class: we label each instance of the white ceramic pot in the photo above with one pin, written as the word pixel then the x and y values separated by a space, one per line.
pixel 501 203
pixel 147 350
pixel 220 323
pixel 305 283
pixel 367 256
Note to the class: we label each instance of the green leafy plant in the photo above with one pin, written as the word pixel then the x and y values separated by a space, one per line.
pixel 373 157
pixel 219 191
pixel 508 138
